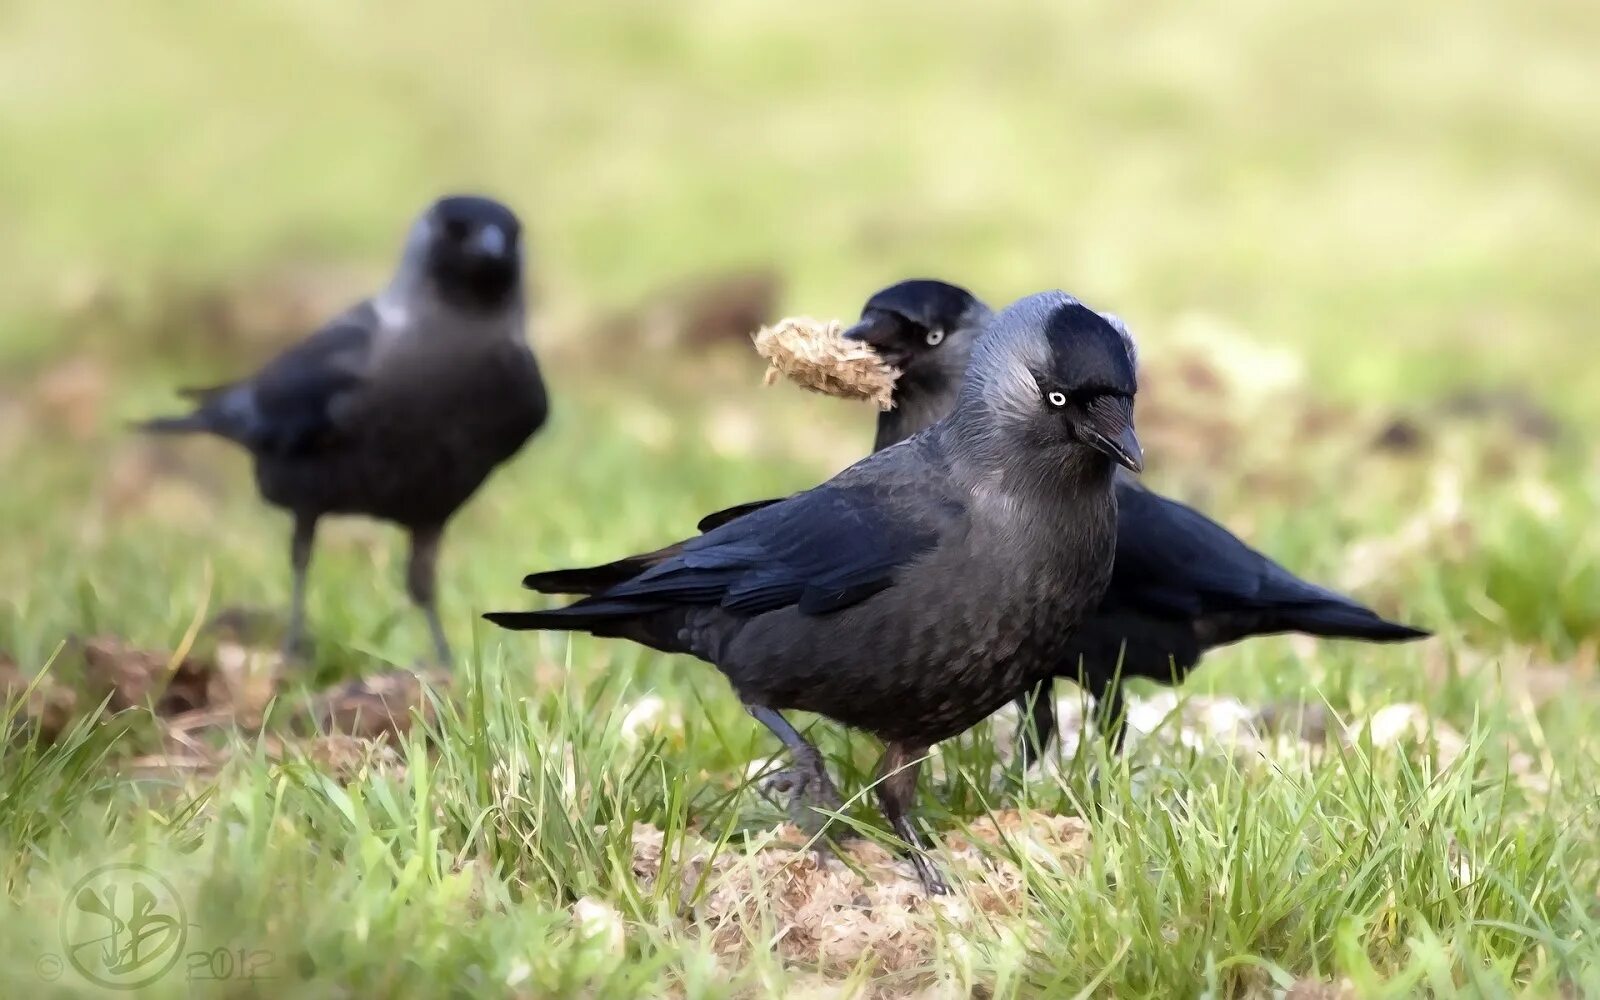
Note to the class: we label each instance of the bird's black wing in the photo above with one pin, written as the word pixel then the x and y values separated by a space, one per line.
pixel 819 552
pixel 291 406
pixel 594 579
pixel 1173 561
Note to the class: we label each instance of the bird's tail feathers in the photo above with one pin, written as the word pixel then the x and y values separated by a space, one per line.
pixel 203 419
pixel 597 616
pixel 1332 620
pixel 201 393
pixel 588 579
pixel 530 621
pixel 191 423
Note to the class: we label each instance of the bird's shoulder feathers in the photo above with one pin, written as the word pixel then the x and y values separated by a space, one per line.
pixel 293 403
pixel 819 551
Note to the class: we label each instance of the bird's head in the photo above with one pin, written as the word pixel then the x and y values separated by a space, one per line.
pixel 1061 374
pixel 924 328
pixel 470 249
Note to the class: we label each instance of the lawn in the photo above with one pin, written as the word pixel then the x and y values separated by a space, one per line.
pixel 1356 242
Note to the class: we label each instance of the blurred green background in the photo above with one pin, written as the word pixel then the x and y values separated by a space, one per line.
pixel 1422 179
pixel 1359 244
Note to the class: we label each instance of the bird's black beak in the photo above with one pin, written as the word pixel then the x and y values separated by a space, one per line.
pixel 1108 428
pixel 878 331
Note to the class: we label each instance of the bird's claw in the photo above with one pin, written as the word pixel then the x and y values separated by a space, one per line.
pixel 297 649
pixel 807 796
pixel 785 783
pixel 932 882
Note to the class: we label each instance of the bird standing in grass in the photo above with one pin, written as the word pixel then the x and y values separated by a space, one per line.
pixel 1182 584
pixel 925 586
pixel 399 408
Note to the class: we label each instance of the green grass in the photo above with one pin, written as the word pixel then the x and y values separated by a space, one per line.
pixel 1405 199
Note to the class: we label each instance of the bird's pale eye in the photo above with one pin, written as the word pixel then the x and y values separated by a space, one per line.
pixel 1057 399
pixel 934 338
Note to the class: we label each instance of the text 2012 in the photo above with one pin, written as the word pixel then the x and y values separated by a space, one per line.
pixel 231 964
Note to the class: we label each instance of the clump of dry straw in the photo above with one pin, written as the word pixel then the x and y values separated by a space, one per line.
pixel 813 354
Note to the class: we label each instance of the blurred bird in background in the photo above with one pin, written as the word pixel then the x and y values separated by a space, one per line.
pixel 1181 585
pixel 925 586
pixel 402 406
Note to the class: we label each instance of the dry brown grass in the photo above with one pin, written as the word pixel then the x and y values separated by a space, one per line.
pixel 813 354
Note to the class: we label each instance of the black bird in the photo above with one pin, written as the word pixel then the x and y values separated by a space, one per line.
pixel 1182 584
pixel 401 407
pixel 922 588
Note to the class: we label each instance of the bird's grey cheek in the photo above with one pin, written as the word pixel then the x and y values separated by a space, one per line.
pixel 1057 433
pixel 1046 434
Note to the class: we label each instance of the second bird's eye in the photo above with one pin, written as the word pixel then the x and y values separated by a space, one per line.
pixel 935 338
pixel 1058 399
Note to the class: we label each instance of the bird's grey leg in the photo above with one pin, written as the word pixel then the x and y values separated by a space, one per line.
pixel 897 789
pixel 806 783
pixel 421 573
pixel 1037 712
pixel 305 534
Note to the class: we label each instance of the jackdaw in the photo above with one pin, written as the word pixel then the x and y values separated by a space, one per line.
pixel 402 406
pixel 1181 585
pixel 926 585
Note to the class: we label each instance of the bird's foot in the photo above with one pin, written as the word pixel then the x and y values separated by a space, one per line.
pixel 429 666
pixel 932 882
pixel 298 649
pixel 807 794
pixel 443 658
pixel 916 851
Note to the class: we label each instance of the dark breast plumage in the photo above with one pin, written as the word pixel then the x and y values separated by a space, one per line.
pixel 422 447
pixel 990 630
